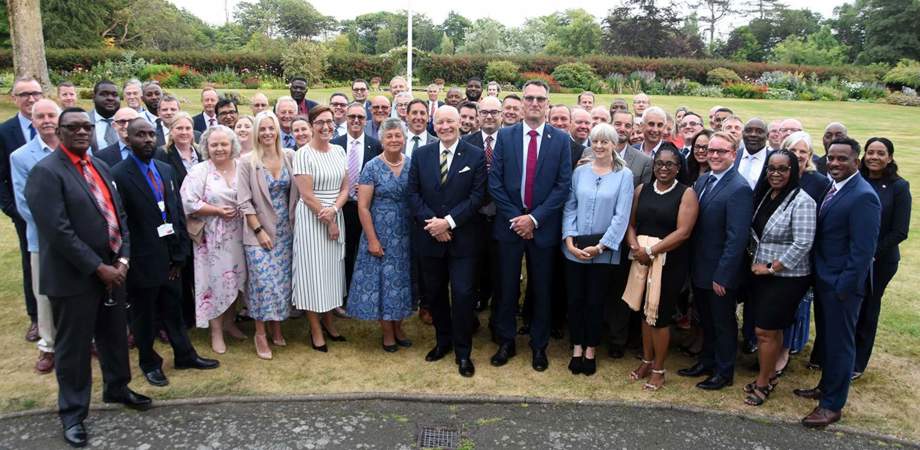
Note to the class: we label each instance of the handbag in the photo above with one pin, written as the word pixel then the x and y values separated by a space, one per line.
pixel 587 240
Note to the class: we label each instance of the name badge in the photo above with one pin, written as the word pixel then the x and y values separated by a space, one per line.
pixel 165 230
pixel 161 205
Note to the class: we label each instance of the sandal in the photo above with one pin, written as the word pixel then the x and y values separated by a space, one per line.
pixel 756 400
pixel 654 387
pixel 636 375
pixel 749 388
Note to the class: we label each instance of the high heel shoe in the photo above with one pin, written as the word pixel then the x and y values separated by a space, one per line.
pixel 320 348
pixel 262 349
pixel 329 335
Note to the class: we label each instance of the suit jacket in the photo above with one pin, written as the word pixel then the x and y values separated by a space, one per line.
pixel 253 196
pixel 199 123
pixel 460 197
pixel 161 135
pixel 847 235
pixel 722 230
pixel 153 255
pixel 475 139
pixel 11 138
pixel 175 161
pixel 577 151
pixel 763 171
pixel 820 163
pixel 551 187
pixel 895 198
pixel 639 164
pixel 21 163
pixel 788 235
pixel 73 236
pixel 111 154
pixel 372 147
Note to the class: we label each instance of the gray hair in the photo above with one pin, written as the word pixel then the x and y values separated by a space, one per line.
pixel 234 141
pixel 132 82
pixel 795 138
pixel 286 98
pixel 392 123
pixel 654 110
pixel 57 109
pixel 606 132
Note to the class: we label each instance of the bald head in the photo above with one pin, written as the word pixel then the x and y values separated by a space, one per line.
pixel 754 135
pixel 490 109
pixel 788 127
pixel 833 131
pixel 259 103
pixel 121 119
pixel 447 124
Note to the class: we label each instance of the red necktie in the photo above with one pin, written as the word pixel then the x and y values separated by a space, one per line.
pixel 488 151
pixel 154 182
pixel 108 215
pixel 531 169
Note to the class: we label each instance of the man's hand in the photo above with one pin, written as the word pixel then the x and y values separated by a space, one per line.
pixel 523 226
pixel 435 226
pixel 174 272
pixel 444 237
pixel 719 290
pixel 110 275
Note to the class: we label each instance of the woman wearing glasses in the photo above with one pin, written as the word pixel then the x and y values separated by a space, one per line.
pixel 698 160
pixel 782 233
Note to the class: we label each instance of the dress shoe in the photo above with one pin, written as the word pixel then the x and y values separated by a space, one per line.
pixel 392 348
pixel 696 371
pixel 45 363
pixel 748 348
pixel 32 332
pixel 466 367
pixel 437 353
pixel 198 363
pixel 75 436
pixel 156 377
pixel 811 394
pixel 615 351
pixel 130 399
pixel 714 383
pixel 539 361
pixel 333 338
pixel 505 352
pixel 405 343
pixel 589 366
pixel 575 364
pixel 820 418
pixel 320 348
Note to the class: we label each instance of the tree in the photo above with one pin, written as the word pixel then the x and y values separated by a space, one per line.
pixel 574 33
pixel 763 9
pixel 455 26
pixel 291 19
pixel 28 40
pixel 386 41
pixel 787 22
pixel 715 11
pixel 741 45
pixel 891 31
pixel 849 25
pixel 425 35
pixel 819 49
pixel 640 28
pixel 446 47
pixel 77 23
pixel 484 37
pixel 157 24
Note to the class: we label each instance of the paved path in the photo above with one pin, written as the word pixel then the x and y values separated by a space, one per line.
pixel 390 424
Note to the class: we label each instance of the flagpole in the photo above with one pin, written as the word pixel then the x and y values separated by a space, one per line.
pixel 409 48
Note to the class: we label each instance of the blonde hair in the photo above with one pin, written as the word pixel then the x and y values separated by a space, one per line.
pixel 170 142
pixel 258 149
pixel 795 138
pixel 252 135
pixel 605 131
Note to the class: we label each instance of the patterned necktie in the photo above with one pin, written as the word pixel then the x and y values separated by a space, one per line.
pixel 211 123
pixel 154 182
pixel 108 215
pixel 415 140
pixel 354 169
pixel 531 170
pixel 444 167
pixel 110 136
pixel 828 197
pixel 488 152
pixel 289 141
pixel 709 179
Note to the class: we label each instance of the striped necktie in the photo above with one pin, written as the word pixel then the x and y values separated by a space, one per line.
pixel 444 167
pixel 107 214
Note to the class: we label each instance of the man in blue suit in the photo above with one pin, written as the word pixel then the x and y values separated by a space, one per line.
pixel 529 182
pixel 848 225
pixel 721 235
pixel 447 182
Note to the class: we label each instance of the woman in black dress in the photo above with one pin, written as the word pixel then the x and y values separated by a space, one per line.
pixel 664 209
pixel 879 169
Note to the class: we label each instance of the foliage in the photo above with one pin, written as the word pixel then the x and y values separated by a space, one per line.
pixel 906 73
pixel 679 86
pixel 640 28
pixel 899 98
pixel 791 81
pixel 859 90
pixel 744 90
pixel 573 33
pixel 577 76
pixel 503 72
pixel 446 47
pixel 721 75
pixel 617 83
pixel 307 59
pixel 644 81
pixel 820 48
pixel 351 66
pixel 891 31
pixel 707 91
pixel 779 94
pixel 291 19
pixel 547 78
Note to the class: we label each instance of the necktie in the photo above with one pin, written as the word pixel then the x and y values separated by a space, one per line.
pixel 415 140
pixel 709 180
pixel 531 170
pixel 108 215
pixel 110 136
pixel 211 123
pixel 289 141
pixel 444 166
pixel 433 108
pixel 155 183
pixel 828 197
pixel 354 169
pixel 335 132
pixel 488 152
pixel 31 132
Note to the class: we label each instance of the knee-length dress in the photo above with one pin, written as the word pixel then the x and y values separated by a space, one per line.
pixel 220 266
pixel 270 271
pixel 319 262
pixel 381 287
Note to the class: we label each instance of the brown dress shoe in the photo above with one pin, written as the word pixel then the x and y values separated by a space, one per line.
pixel 45 363
pixel 425 315
pixel 32 332
pixel 812 394
pixel 820 418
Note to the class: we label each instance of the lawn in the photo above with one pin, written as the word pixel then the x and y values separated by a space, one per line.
pixel 883 401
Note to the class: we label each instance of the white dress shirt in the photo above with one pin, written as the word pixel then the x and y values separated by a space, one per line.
pixel 751 166
pixel 423 140
pixel 450 159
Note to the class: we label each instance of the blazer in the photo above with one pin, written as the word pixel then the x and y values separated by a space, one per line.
pixel 722 229
pixel 161 135
pixel 640 165
pixel 577 151
pixel 175 161
pixel 73 237
pixel 815 184
pixel 253 197
pixel 460 197
pixel 111 154
pixel 11 138
pixel 153 255
pixel 820 163
pixel 21 163
pixel 846 238
pixel 894 195
pixel 199 123
pixel 789 234
pixel 372 147
pixel 551 187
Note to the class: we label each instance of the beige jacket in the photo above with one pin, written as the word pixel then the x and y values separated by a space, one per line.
pixel 253 196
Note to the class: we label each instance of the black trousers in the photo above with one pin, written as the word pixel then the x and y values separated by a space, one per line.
pixel 559 293
pixel 187 298
pixel 488 277
pixel 161 302
pixel 720 330
pixel 869 311
pixel 26 258
pixel 352 239
pixel 620 319
pixel 454 312
pixel 79 319
pixel 540 272
pixel 589 289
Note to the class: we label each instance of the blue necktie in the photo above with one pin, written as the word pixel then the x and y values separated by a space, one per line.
pixel 709 179
pixel 31 132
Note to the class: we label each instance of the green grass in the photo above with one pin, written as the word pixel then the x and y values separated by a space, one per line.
pixel 884 400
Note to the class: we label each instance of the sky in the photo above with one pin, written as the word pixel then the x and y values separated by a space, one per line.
pixel 507 12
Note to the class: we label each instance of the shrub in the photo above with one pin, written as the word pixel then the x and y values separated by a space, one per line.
pixel 306 59
pixel 350 66
pixel 224 78
pixel 858 90
pixel 577 76
pixel 503 72
pixel 906 73
pixel 744 90
pixel 680 86
pixel 549 79
pixel 721 76
pixel 901 99
pixel 779 94
pixel 791 81
pixel 707 91
pixel 616 82
pixel 645 81
pixel 181 77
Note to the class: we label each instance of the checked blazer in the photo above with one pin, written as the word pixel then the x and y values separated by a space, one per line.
pixel 789 234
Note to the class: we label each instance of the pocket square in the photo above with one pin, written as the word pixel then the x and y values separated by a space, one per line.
pixel 465 169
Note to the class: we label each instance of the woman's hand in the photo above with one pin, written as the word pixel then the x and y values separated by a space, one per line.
pixel 760 269
pixel 643 258
pixel 326 214
pixel 264 240
pixel 577 252
pixel 333 231
pixel 227 212
pixel 374 248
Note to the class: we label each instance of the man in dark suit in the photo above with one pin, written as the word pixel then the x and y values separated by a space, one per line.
pixel 207 118
pixel 160 243
pixel 14 133
pixel 529 182
pixel 417 134
pixel 469 118
pixel 848 225
pixel 83 242
pixel 722 231
pixel 689 126
pixel 298 89
pixel 832 132
pixel 106 103
pixel 119 151
pixel 152 93
pixel 359 149
pixel 447 181
pixel 359 93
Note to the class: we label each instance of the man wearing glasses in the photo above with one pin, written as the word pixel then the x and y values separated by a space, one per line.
pixel 14 133
pixel 118 151
pixel 227 112
pixel 338 102
pixel 359 94
pixel 380 111
pixel 689 125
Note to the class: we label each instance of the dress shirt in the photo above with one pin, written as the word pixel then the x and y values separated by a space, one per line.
pixel 341 129
pixel 188 163
pixel 101 127
pixel 494 135
pixel 21 164
pixel 24 125
pixel 208 119
pixel 422 141
pixel 654 150
pixel 715 181
pixel 125 150
pixel 838 185
pixel 751 165
pixel 450 158
pixel 100 183
pixel 526 141
pixel 149 117
pixel 348 143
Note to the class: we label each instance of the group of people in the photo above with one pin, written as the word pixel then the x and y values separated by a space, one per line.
pixel 144 220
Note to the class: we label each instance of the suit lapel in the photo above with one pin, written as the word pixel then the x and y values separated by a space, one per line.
pixel 544 145
pixel 714 190
pixel 456 164
pixel 775 218
pixel 140 181
pixel 78 177
pixel 517 134
pixel 838 195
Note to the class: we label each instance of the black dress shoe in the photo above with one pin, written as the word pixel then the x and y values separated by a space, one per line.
pixel 695 371
pixel 575 364
pixel 320 348
pixel 615 351
pixel 156 377
pixel 198 363
pixel 466 367
pixel 75 436
pixel 392 348
pixel 589 366
pixel 505 352
pixel 130 399
pixel 714 383
pixel 539 362
pixel 406 343
pixel 437 353
pixel 811 394
pixel 748 348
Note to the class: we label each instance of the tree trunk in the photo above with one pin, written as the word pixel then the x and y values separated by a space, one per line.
pixel 28 41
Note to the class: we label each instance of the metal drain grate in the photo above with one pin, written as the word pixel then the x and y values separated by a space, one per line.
pixel 439 436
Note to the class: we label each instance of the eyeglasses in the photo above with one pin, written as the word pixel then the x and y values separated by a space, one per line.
pixel 690 124
pixel 354 117
pixel 359 89
pixel 324 123
pixel 535 99
pixel 338 105
pixel 779 169
pixel 380 107
pixel 123 122
pixel 718 151
pixel 260 105
pixel 701 147
pixel 74 127
pixel 25 95
pixel 666 165
pixel 226 113
pixel 489 112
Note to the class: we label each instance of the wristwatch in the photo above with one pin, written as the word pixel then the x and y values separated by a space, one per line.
pixel 600 249
pixel 124 261
pixel 648 251
pixel 770 269
pixel 257 230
